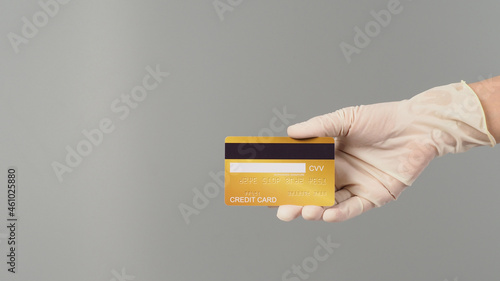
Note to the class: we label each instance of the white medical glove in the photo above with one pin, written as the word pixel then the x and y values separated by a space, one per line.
pixel 382 148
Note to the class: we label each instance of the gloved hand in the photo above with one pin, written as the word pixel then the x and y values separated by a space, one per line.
pixel 382 148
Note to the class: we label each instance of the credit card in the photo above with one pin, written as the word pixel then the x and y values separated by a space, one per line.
pixel 274 171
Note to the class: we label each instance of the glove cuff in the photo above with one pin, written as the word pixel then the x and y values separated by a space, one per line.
pixel 482 126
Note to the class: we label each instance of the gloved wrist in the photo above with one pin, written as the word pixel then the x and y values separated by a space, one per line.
pixel 488 92
pixel 456 115
pixel 444 119
pixel 441 120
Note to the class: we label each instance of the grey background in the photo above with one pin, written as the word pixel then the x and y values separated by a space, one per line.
pixel 119 208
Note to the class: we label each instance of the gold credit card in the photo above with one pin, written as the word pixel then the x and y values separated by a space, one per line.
pixel 274 171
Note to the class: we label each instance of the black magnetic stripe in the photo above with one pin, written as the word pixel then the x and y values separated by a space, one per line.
pixel 280 151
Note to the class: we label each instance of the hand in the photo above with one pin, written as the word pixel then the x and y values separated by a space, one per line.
pixel 382 148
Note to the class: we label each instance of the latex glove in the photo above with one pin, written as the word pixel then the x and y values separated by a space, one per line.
pixel 382 148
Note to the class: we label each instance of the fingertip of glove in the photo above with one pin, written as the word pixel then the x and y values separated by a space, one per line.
pixel 295 131
pixel 334 215
pixel 287 213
